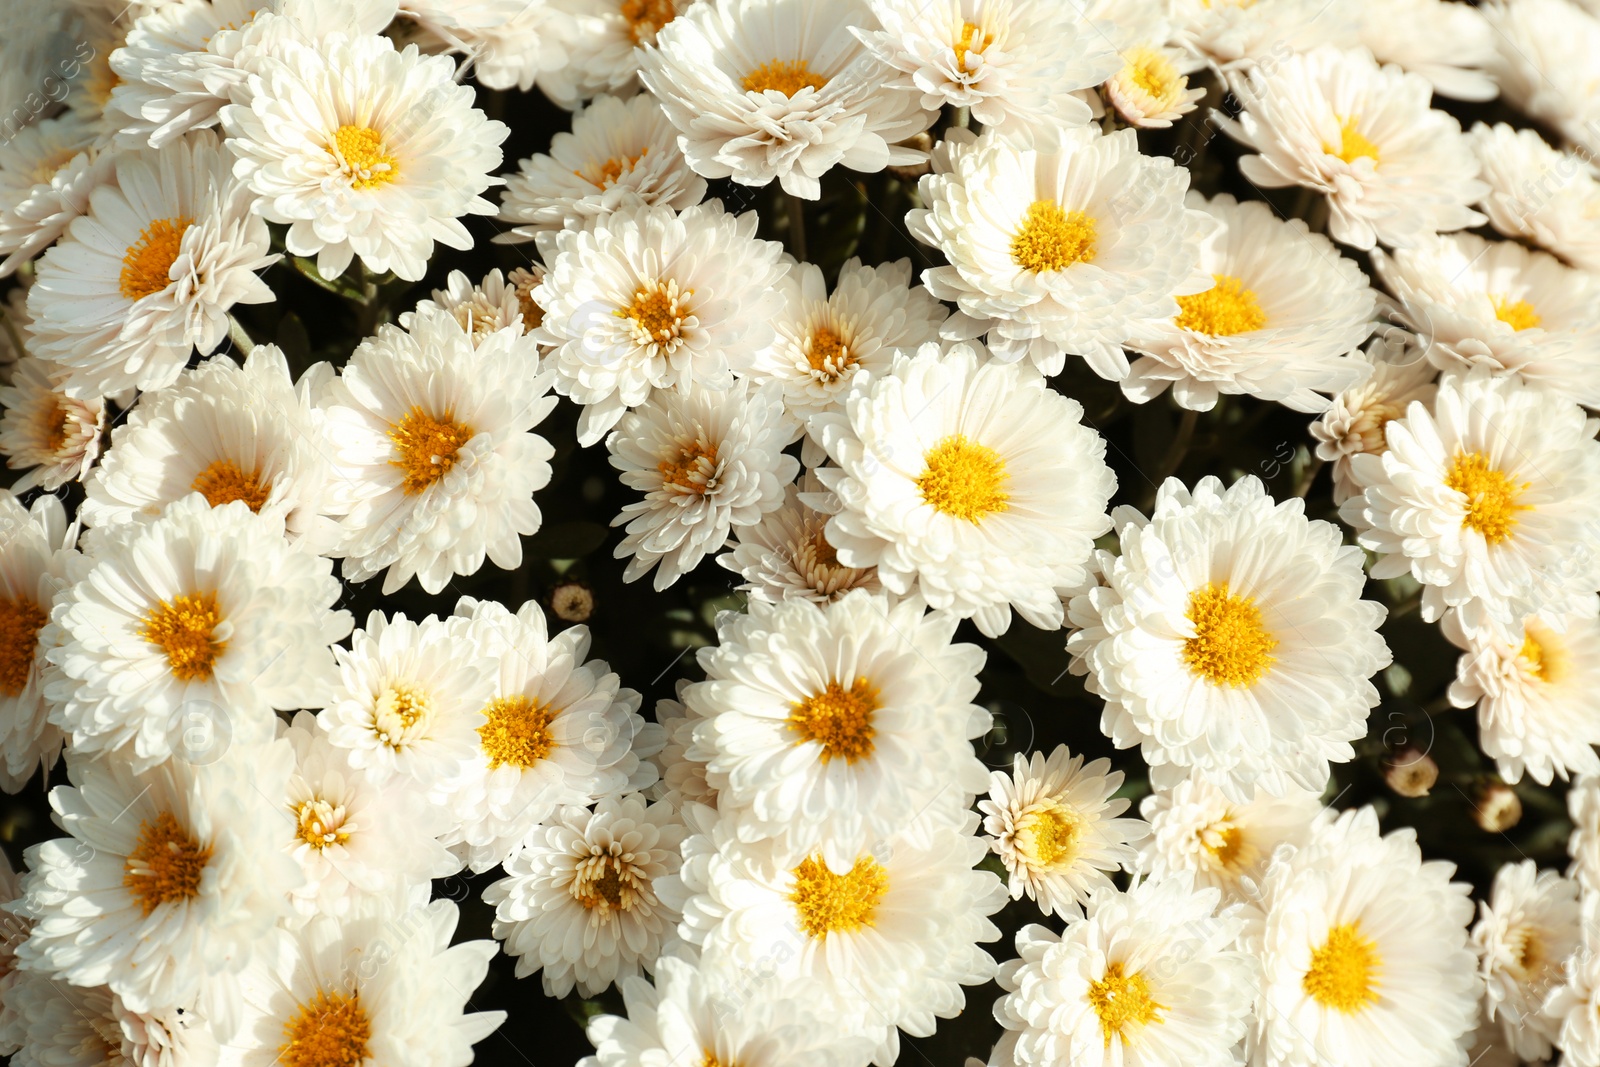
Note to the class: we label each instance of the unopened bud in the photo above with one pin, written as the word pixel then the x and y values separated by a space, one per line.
pixel 1410 772
pixel 1498 808
pixel 572 601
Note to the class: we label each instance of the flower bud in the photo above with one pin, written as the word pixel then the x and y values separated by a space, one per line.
pixel 1497 807
pixel 572 601
pixel 1410 772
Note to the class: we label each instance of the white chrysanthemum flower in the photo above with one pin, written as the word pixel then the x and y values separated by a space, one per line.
pixel 203 615
pixel 780 89
pixel 682 780
pixel 787 555
pixel 64 1025
pixel 1280 323
pixel 1547 59
pixel 1053 824
pixel 707 460
pixel 1150 90
pixel 604 39
pixel 620 154
pixel 47 172
pixel 1539 193
pixel 1016 64
pixel 168 882
pixel 365 151
pixel 53 437
pixel 1356 421
pixel 384 987
pixel 580 898
pixel 1573 1006
pixel 1363 950
pixel 1194 827
pixel 1241 33
pixel 1061 251
pixel 482 310
pixel 13 1024
pixel 1583 807
pixel 149 273
pixel 1450 44
pixel 557 731
pixel 1230 639
pixel 830 727
pixel 1495 304
pixel 433 445
pixel 1151 977
pixel 648 298
pixel 1529 927
pixel 37 561
pixel 1331 120
pixel 968 481
pixel 507 43
pixel 1487 500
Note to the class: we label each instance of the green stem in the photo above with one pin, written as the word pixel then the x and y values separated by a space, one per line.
pixel 1179 447
pixel 240 337
pixel 1313 469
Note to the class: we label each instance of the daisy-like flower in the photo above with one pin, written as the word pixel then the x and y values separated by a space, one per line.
pixel 1149 978
pixel 1473 302
pixel 1150 90
pixel 364 150
pixel 829 727
pixel 1332 120
pixel 47 172
pixel 707 460
pixel 1054 825
pixel 647 298
pixel 1060 251
pixel 780 89
pixel 620 154
pixel 1240 33
pixel 1230 639
pixel 1355 422
pixel 970 481
pixel 481 310
pixel 682 780
pixel 231 624
pixel 37 561
pixel 1546 62
pixel 52 437
pixel 1363 950
pixel 1449 44
pixel 580 901
pixel 558 731
pixel 1016 64
pixel 385 987
pixel 1539 193
pixel 149 273
pixel 433 446
pixel 1529 927
pixel 1583 807
pixel 1486 500
pixel 63 1025
pixel 168 883
pixel 787 554
pixel 1280 323
pixel 603 42
pixel 507 43
pixel 1573 1007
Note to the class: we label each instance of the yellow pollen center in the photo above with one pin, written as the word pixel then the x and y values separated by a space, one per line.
pixel 838 719
pixel 1152 72
pixel 964 45
pixel 20 623
pixel 1517 314
pixel 1050 239
pixel 1544 655
pixel 1224 841
pixel 657 311
pixel 329 1030
pixel 183 628
pixel 828 353
pixel 1491 496
pixel 517 733
pixel 401 706
pixel 224 481
pixel 612 169
pixel 55 426
pixel 426 447
pixel 964 479
pixel 1224 310
pixel 165 865
pixel 148 261
pixel 709 1059
pixel 1123 1002
pixel 1352 145
pixel 363 157
pixel 1344 971
pixel 829 903
pixel 1049 836
pixel 1229 646
pixel 606 882
pixel 646 17
pixel 46 168
pixel 321 824
pixel 693 469
pixel 787 76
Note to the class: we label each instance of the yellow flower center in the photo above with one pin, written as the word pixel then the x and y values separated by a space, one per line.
pixel 400 706
pixel 321 824
pixel 224 481
pixel 517 733
pixel 1048 836
pixel 693 469
pixel 165 865
pixel 709 1059
pixel 46 168
pixel 1543 653
pixel 657 312
pixel 964 45
pixel 838 719
pixel 329 1030
pixel 183 629
pixel 1224 841
pixel 148 261
pixel 20 623
pixel 1352 145
pixel 54 428
pixel 1153 73
pixel 1517 314
pixel 612 169
pixel 829 903
pixel 1491 496
pixel 608 883
pixel 1229 646
pixel 363 157
pixel 1344 971
pixel 1123 1002
pixel 646 17
pixel 1051 239
pixel 964 479
pixel 1224 310
pixel 828 354
pixel 787 76
pixel 426 447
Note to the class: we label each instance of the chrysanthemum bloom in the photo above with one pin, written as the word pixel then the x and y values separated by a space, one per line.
pixel 229 625
pixel 968 481
pixel 1363 950
pixel 602 39
pixel 580 898
pixel 36 563
pixel 385 987
pixel 1280 323
pixel 1539 193
pixel 168 883
pixel 1450 44
pixel 481 310
pixel 365 151
pixel 787 554
pixel 1473 302
pixel 829 727
pixel 780 89
pixel 1530 925
pixel 1054 825
pixel 47 172
pixel 1016 64
pixel 506 43
pixel 1149 978
pixel 1060 251
pixel 1230 639
pixel 1583 807
pixel 1239 33
pixel 682 780
pixel 54 438
pixel 1487 500
pixel 1356 421
pixel 62 1025
pixel 707 460
pixel 149 273
pixel 559 730
pixel 1573 1006
pixel 1332 120
pixel 620 154
pixel 1547 59
pixel 1150 90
